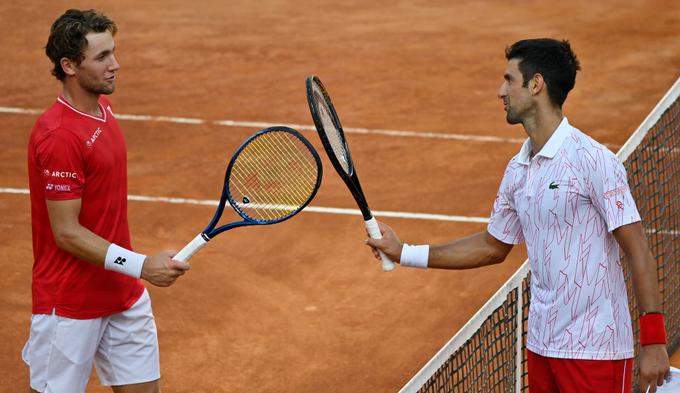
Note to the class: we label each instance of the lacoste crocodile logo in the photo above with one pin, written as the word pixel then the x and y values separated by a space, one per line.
pixel 553 185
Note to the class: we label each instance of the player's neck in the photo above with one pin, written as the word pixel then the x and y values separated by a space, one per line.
pixel 83 100
pixel 542 126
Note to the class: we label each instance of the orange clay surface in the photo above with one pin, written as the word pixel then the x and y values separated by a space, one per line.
pixel 302 306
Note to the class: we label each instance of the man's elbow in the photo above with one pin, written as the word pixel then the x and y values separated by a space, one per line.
pixel 498 252
pixel 64 238
pixel 496 249
pixel 497 258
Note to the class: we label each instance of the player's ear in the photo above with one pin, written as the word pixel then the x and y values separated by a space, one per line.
pixel 536 84
pixel 68 65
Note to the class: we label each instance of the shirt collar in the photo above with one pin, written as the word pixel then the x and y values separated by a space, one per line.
pixel 551 147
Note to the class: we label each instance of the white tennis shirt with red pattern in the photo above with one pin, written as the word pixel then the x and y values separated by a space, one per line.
pixel 564 202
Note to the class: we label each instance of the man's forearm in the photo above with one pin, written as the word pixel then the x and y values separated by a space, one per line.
pixel 83 244
pixel 642 266
pixel 71 236
pixel 645 282
pixel 477 250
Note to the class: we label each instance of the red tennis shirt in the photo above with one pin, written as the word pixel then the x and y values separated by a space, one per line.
pixel 75 155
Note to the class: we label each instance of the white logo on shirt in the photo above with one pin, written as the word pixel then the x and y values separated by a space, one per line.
pixel 58 187
pixel 89 143
pixel 67 175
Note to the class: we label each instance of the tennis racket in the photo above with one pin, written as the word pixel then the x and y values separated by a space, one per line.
pixel 272 176
pixel 333 139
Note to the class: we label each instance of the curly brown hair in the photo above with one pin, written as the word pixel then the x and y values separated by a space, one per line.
pixel 67 36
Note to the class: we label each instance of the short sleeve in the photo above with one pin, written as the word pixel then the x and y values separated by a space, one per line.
pixel 60 159
pixel 607 187
pixel 504 223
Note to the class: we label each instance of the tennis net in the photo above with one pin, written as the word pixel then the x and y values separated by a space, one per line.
pixel 488 353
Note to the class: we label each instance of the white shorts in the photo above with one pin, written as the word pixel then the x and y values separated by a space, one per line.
pixel 124 348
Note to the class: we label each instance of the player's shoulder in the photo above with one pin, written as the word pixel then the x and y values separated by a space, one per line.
pixel 584 143
pixel 51 118
pixel 513 174
pixel 52 123
pixel 514 163
pixel 588 155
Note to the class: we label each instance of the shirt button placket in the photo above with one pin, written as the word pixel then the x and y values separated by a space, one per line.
pixel 528 188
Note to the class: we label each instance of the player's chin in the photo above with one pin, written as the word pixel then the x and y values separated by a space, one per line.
pixel 107 88
pixel 512 119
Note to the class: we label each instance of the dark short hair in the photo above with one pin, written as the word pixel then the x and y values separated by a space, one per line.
pixel 67 36
pixel 551 58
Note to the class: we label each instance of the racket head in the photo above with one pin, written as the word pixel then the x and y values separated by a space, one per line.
pixel 328 126
pixel 333 139
pixel 272 176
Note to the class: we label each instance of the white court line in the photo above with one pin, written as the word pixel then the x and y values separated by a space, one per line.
pixel 311 209
pixel 325 210
pixel 257 124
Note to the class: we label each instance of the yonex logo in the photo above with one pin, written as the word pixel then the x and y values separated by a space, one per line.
pixel 58 187
pixel 119 261
pixel 553 186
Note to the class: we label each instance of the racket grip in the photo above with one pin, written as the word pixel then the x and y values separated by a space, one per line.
pixel 374 232
pixel 190 249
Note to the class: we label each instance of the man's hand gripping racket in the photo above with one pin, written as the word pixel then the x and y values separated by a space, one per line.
pixel 333 139
pixel 270 178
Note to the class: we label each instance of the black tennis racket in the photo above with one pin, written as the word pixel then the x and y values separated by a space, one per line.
pixel 272 176
pixel 333 139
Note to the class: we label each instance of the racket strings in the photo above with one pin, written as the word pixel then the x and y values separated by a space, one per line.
pixel 331 129
pixel 289 173
pixel 290 200
pixel 273 176
pixel 255 195
pixel 258 203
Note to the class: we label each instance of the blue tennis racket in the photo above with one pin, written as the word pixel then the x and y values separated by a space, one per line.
pixel 272 176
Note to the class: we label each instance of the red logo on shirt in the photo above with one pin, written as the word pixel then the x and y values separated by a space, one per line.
pixel 619 204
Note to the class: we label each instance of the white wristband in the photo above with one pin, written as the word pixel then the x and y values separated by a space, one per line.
pixel 121 260
pixel 414 256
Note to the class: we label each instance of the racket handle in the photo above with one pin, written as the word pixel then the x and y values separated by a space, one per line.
pixel 374 232
pixel 190 249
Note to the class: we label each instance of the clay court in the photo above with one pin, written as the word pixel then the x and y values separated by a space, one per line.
pixel 302 306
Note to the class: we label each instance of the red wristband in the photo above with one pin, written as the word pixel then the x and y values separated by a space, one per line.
pixel 652 329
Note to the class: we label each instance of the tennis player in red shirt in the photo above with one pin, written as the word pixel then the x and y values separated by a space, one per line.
pixel 89 304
